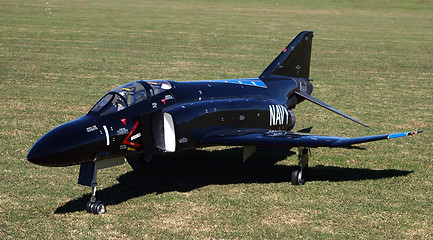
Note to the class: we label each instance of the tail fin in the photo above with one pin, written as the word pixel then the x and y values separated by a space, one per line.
pixel 294 60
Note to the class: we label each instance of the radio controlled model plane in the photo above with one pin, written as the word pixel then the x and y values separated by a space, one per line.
pixel 145 118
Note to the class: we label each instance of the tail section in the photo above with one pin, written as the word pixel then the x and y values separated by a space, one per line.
pixel 294 60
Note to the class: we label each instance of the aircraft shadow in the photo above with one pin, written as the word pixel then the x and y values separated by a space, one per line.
pixel 191 170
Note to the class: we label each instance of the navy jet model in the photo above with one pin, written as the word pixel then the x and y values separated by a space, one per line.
pixel 147 118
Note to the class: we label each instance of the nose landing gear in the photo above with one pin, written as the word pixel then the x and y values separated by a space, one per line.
pixel 93 206
pixel 87 177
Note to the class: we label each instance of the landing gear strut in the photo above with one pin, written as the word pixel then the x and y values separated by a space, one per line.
pixel 87 177
pixel 298 176
pixel 93 206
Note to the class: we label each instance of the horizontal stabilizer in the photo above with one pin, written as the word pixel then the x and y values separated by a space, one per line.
pixel 324 105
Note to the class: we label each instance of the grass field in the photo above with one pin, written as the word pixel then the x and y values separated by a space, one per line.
pixel 371 60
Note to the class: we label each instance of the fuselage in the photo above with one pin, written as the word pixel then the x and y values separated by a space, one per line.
pixel 156 116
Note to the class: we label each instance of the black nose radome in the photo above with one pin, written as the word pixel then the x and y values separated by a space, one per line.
pixel 67 144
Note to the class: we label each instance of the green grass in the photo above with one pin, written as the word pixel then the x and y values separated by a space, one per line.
pixel 371 60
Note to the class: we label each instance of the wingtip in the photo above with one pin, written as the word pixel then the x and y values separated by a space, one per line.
pixel 403 134
pixel 415 132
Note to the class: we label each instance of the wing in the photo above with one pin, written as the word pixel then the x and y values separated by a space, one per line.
pixel 260 137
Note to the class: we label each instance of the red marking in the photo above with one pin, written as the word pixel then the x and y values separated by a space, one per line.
pixel 126 141
pixel 123 120
pixel 163 101
pixel 285 49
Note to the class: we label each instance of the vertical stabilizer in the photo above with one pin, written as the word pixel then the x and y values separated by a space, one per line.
pixel 294 60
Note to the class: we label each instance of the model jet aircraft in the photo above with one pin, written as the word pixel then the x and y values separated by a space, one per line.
pixel 146 118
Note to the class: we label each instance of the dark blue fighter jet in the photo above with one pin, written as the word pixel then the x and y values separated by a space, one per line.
pixel 146 118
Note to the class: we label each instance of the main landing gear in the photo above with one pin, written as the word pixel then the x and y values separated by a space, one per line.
pixel 298 176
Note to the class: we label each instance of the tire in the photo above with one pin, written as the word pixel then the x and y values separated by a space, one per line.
pixel 296 178
pixel 98 208
pixel 89 206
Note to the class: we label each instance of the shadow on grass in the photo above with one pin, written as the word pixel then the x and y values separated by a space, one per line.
pixel 194 169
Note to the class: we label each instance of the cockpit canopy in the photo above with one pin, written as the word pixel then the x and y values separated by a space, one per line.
pixel 129 94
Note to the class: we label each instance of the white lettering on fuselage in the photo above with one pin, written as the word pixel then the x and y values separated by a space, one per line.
pixel 122 131
pixel 168 97
pixel 92 128
pixel 278 115
pixel 135 136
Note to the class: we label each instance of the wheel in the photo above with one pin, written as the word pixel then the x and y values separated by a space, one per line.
pixel 98 208
pixel 296 178
pixel 89 206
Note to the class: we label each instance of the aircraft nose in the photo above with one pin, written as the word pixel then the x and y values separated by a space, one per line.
pixel 44 150
pixel 36 154
pixel 65 145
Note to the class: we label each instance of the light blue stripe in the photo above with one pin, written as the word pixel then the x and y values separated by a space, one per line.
pixel 255 82
pixel 397 135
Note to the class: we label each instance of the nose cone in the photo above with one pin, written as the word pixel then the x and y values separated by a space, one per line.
pixel 38 153
pixel 67 144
